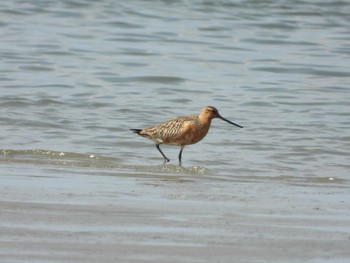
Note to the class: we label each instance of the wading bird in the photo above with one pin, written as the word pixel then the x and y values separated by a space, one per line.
pixel 182 131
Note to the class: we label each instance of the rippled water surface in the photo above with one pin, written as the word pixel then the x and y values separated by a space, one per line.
pixel 76 75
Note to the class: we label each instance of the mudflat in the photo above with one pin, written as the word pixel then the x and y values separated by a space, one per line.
pixel 169 218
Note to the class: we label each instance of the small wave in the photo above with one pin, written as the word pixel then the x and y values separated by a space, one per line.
pixel 86 160
pixel 48 157
pixel 171 169
pixel 152 79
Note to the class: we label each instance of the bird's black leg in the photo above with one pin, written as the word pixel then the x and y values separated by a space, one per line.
pixel 165 158
pixel 180 154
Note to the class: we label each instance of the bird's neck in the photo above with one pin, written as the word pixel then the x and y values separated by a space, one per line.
pixel 204 120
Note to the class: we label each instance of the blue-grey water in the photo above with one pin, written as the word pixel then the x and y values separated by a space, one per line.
pixel 76 75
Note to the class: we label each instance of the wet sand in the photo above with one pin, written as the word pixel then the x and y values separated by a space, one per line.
pixel 166 218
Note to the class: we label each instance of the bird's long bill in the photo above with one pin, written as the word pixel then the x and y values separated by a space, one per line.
pixel 230 122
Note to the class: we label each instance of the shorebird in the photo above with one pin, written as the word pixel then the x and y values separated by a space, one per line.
pixel 182 131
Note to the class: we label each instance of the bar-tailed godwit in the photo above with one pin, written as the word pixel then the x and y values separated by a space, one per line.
pixel 182 131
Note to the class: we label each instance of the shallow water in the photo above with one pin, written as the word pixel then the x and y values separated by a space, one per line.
pixel 78 186
pixel 76 75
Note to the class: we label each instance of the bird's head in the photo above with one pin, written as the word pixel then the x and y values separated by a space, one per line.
pixel 211 112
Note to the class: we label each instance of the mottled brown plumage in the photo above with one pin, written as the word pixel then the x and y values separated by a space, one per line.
pixel 182 131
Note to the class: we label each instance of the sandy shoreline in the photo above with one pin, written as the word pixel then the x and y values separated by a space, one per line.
pixel 135 219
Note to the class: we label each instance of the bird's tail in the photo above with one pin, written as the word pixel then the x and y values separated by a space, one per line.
pixel 136 130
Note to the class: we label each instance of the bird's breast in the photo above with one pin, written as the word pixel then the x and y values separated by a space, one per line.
pixel 189 134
